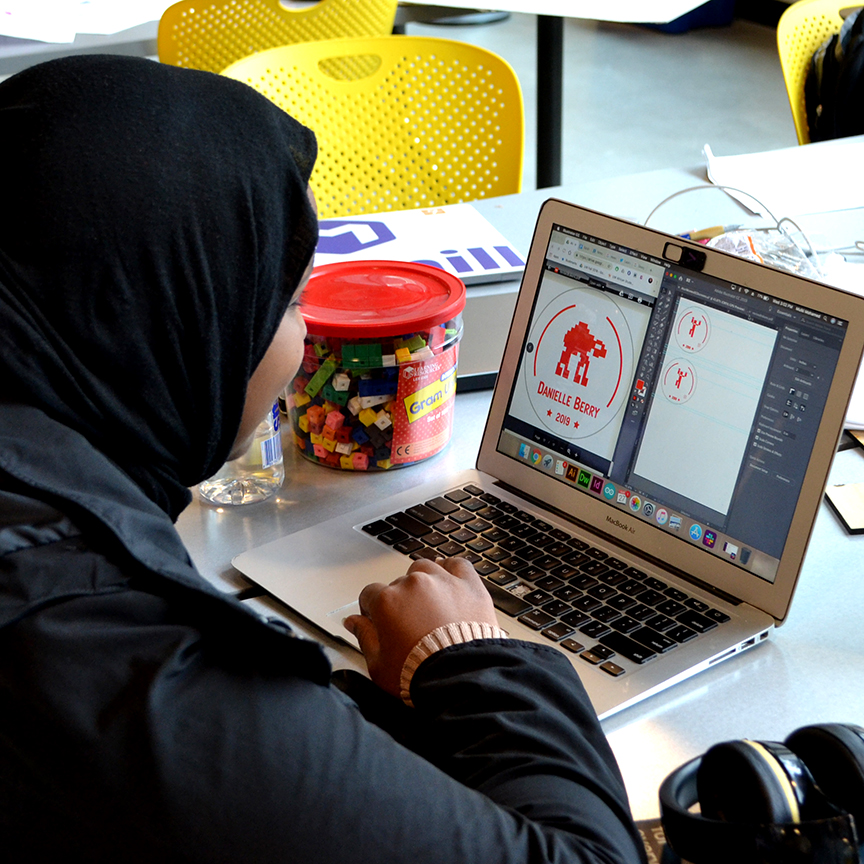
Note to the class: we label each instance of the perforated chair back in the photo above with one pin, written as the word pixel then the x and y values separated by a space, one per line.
pixel 212 34
pixel 431 122
pixel 802 28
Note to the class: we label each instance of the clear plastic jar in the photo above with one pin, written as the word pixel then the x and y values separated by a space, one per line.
pixel 377 385
pixel 256 475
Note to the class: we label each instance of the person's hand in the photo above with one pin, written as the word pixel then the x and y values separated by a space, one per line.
pixel 394 618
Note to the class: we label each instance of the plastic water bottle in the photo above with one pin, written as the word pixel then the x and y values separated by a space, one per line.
pixel 254 476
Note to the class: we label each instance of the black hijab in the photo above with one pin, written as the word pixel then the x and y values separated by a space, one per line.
pixel 154 224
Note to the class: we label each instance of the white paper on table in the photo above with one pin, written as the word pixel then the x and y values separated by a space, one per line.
pixel 44 20
pixel 633 11
pixel 60 20
pixel 809 178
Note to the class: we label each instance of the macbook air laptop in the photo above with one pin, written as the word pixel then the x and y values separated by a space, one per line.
pixel 655 454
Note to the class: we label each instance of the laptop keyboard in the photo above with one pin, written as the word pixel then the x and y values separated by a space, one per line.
pixel 592 604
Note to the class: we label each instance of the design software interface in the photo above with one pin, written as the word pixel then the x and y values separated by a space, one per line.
pixel 690 402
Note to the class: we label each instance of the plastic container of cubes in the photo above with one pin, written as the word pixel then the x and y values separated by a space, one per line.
pixel 377 384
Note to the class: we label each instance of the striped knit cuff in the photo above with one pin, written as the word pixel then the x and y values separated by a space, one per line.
pixel 449 634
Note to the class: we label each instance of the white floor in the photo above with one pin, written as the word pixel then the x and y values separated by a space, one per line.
pixel 636 99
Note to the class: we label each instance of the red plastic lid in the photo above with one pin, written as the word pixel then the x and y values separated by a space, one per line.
pixel 367 299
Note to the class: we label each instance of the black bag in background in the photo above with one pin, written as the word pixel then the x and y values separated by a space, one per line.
pixel 834 89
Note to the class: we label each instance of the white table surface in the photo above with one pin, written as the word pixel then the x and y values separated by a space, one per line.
pixel 812 668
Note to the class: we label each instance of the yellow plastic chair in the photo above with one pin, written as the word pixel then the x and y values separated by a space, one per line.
pixel 212 34
pixel 802 28
pixel 435 122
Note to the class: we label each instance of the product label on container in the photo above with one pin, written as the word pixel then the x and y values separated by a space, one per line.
pixel 423 422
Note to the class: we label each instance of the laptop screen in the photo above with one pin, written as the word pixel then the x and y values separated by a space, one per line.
pixel 690 403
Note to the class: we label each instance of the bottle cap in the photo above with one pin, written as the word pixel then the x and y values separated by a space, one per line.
pixel 364 299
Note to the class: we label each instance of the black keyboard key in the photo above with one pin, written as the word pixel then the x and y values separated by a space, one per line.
pixel 557 631
pixel 595 629
pixel 424 514
pixel 392 537
pixel 547 562
pixel 537 598
pixel 501 578
pixel 559 535
pixel 511 563
pixel 717 615
pixel 594 568
pixel 597 655
pixel 507 523
pixel 536 619
pixel 568 593
pixel 523 531
pixel 660 622
pixel 378 527
pixel 447 526
pixel 629 648
pixel 480 544
pixel 611 577
pixel 596 554
pixel 443 506
pixel 586 603
pixel 450 549
pixel 605 614
pixel 489 498
pixel 472 505
pixel 484 568
pixel 531 553
pixel 573 645
pixel 615 564
pixel 625 624
pixel 698 605
pixel 620 602
pixel 695 621
pixel 631 588
pixel 651 597
pixel 462 516
pixel 583 582
pixel 409 524
pixel 490 513
pixel 656 584
pixel 670 607
pixel 548 583
pixel 495 534
pixel 463 535
pixel 540 525
pixel 557 608
pixel 425 552
pixel 457 496
pixel 529 573
pixel 675 594
pixel 471 557
pixel 575 619
pixel 471 489
pixel 434 539
pixel 657 642
pixel 406 547
pixel 612 669
pixel 633 573
pixel 558 549
pixel 641 613
pixel 602 592
pixel 565 571
pixel 478 526
pixel 681 633
pixel 507 507
pixel 574 559
pixel 495 554
pixel 506 602
pixel 578 545
pixel 512 544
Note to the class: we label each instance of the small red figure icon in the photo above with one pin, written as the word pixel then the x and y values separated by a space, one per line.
pixel 694 323
pixel 579 342
pixel 681 376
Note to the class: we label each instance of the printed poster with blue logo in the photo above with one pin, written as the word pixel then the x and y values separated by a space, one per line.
pixel 456 238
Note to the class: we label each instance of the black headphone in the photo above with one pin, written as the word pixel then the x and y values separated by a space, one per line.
pixel 766 801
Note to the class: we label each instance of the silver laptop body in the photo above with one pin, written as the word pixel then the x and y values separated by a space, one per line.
pixel 665 414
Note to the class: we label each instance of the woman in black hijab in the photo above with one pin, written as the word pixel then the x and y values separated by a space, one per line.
pixel 155 231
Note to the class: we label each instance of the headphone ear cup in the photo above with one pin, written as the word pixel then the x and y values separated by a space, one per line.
pixel 834 754
pixel 746 782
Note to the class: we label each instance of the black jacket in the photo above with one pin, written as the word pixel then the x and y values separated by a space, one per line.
pixel 145 717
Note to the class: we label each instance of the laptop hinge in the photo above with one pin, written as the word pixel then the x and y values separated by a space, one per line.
pixel 636 553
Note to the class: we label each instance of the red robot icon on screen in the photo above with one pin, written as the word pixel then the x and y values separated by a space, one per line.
pixel 580 343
